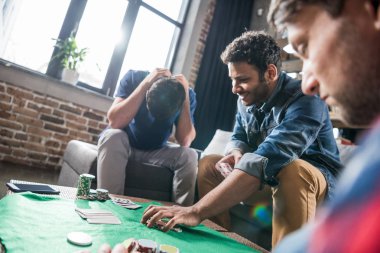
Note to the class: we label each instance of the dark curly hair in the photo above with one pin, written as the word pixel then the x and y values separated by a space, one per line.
pixel 165 98
pixel 256 48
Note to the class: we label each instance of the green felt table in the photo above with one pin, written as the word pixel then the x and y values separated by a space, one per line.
pixel 38 223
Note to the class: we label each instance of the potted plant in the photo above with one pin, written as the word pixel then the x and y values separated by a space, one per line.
pixel 70 57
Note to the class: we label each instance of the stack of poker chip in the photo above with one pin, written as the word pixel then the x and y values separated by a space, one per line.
pixel 92 195
pixel 84 184
pixel 102 194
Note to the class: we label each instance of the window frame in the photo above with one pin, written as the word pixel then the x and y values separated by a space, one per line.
pixel 72 21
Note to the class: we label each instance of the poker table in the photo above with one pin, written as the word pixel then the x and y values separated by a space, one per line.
pixel 40 223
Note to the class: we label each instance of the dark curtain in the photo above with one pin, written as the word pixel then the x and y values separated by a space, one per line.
pixel 216 105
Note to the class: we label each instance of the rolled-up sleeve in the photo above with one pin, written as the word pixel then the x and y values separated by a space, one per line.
pixel 129 82
pixel 253 164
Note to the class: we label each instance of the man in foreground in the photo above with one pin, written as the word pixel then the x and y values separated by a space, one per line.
pixel 281 138
pixel 339 43
pixel 141 119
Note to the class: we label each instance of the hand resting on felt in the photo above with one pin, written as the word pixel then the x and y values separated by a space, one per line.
pixel 183 215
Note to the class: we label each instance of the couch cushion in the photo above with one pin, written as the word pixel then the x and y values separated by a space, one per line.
pixel 218 143
pixel 80 156
pixel 148 181
pixel 68 177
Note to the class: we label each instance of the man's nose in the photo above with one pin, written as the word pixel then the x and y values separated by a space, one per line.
pixel 235 87
pixel 310 85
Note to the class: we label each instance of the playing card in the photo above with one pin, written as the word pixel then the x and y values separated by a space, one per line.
pixel 104 220
pixel 93 211
pixel 161 223
pixel 98 216
pixel 125 203
pixel 224 168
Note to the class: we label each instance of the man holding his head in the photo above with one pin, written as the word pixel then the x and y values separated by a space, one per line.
pixel 141 120
pixel 281 138
pixel 339 43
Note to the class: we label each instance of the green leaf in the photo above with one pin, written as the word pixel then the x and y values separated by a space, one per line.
pixel 68 52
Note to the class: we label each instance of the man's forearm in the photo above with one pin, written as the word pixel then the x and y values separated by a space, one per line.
pixel 123 111
pixel 185 131
pixel 237 187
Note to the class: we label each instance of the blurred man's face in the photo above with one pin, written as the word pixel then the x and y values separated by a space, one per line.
pixel 246 83
pixel 341 59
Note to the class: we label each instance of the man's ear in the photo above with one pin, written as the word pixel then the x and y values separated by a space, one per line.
pixel 377 13
pixel 374 12
pixel 272 73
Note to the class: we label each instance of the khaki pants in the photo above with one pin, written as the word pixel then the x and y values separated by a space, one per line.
pixel 114 152
pixel 302 187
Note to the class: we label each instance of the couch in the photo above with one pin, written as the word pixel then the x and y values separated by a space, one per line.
pixel 81 157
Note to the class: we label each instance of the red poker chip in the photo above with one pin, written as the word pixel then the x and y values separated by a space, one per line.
pixel 147 246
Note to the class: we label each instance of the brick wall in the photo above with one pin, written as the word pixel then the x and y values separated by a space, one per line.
pixel 201 43
pixel 36 128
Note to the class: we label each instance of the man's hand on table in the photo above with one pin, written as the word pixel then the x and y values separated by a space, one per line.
pixel 176 215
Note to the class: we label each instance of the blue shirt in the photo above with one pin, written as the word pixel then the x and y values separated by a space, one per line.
pixel 144 131
pixel 288 126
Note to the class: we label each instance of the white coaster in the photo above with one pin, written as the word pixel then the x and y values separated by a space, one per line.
pixel 79 238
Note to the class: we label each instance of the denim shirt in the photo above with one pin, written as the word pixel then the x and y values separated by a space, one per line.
pixel 288 126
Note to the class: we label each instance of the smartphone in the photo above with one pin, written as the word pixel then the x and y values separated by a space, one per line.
pixel 36 188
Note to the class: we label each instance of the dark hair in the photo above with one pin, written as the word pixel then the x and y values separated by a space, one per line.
pixel 165 98
pixel 256 48
pixel 282 11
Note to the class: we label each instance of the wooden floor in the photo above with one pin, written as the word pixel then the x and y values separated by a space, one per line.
pixel 10 171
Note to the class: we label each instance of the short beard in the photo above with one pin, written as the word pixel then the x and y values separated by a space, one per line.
pixel 360 100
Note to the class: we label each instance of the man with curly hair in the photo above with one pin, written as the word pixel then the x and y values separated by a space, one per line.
pixel 281 139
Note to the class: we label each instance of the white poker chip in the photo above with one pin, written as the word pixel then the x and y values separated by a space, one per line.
pixel 147 245
pixel 79 238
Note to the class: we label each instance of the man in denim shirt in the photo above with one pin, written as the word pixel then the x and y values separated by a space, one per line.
pixel 281 138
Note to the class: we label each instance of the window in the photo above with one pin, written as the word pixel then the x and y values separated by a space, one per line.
pixel 102 42
pixel 27 36
pixel 119 35
pixel 170 8
pixel 150 43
